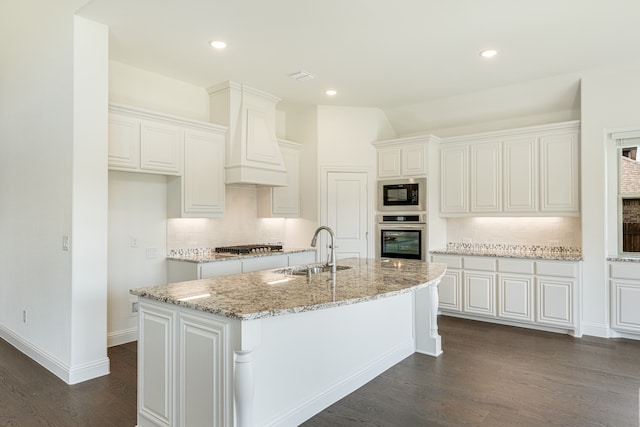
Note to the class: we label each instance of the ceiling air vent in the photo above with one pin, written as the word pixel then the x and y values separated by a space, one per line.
pixel 301 76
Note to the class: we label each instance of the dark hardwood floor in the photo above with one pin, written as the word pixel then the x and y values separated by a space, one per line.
pixel 489 375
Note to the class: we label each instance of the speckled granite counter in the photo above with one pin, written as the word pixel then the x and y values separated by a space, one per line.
pixel 558 253
pixel 211 256
pixel 623 259
pixel 268 293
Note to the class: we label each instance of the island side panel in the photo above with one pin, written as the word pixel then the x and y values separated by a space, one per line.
pixel 307 361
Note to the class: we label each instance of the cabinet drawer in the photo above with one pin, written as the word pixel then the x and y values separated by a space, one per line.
pixel 451 261
pixel 625 270
pixel 515 266
pixel 560 269
pixel 479 263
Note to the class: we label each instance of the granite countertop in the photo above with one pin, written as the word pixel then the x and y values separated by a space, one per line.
pixel 271 293
pixel 623 259
pixel 209 255
pixel 558 253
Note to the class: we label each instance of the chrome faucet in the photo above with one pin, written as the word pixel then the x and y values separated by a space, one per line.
pixel 333 252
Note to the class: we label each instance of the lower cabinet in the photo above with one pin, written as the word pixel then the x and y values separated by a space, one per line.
pixel 529 292
pixel 181 271
pixel 172 346
pixel 624 280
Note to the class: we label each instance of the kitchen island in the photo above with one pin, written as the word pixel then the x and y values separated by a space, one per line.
pixel 275 347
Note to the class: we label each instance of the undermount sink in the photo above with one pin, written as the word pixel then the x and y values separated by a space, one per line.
pixel 304 270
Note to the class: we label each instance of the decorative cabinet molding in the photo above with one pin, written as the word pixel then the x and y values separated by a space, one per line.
pixel 624 281
pixel 529 171
pixel 283 202
pixel 174 387
pixel 520 292
pixel 403 158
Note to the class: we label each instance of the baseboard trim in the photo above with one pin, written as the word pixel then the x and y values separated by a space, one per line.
pixel 325 399
pixel 70 375
pixel 596 330
pixel 122 337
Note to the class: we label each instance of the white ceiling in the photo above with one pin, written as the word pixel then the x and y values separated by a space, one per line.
pixel 396 55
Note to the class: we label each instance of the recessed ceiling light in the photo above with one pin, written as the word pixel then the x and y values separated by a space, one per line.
pixel 331 92
pixel 489 53
pixel 218 44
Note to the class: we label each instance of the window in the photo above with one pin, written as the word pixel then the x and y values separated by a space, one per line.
pixel 628 194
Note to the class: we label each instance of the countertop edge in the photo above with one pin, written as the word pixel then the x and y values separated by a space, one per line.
pixel 203 259
pixel 508 255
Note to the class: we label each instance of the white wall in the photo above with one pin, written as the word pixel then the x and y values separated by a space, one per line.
pixel 609 101
pixel 42 153
pixel 137 210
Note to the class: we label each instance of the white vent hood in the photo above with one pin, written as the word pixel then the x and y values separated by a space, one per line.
pixel 252 151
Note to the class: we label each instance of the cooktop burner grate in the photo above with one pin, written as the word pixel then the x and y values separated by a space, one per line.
pixel 249 249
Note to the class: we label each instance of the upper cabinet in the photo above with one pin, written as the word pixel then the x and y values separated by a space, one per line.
pixel 529 171
pixel 142 143
pixel 252 152
pixel 402 158
pixel 283 202
pixel 190 151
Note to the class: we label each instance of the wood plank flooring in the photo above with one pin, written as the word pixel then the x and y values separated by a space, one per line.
pixel 489 375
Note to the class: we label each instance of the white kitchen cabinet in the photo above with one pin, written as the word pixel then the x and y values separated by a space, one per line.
pixel 142 141
pixel 283 202
pixel 264 263
pixel 200 191
pixel 559 174
pixel 520 175
pixel 219 268
pixel 402 158
pixel 556 284
pixel 174 387
pixel 486 177
pixel 450 287
pixel 523 292
pixel 624 278
pixel 301 258
pixel 530 171
pixel 454 180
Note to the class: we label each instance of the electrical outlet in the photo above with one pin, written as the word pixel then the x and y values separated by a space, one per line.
pixel 134 242
pixel 24 316
pixel 134 308
pixel 65 243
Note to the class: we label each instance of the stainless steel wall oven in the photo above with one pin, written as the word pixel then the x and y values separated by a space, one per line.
pixel 402 236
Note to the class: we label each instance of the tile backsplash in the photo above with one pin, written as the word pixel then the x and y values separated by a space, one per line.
pixel 240 224
pixel 535 231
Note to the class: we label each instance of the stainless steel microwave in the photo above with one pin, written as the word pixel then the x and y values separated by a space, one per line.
pixel 399 195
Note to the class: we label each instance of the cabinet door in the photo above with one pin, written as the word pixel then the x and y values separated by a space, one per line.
pixel 285 201
pixel 625 300
pixel 515 297
pixel 555 301
pixel 450 291
pixel 479 293
pixel 559 185
pixel 156 370
pixel 124 142
pixel 389 162
pixel 203 180
pixel 520 175
pixel 204 363
pixel 413 160
pixel 486 177
pixel 454 191
pixel 161 148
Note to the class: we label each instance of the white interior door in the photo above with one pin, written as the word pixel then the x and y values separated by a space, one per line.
pixel 347 213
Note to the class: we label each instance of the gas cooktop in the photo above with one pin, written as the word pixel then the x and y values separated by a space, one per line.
pixel 249 249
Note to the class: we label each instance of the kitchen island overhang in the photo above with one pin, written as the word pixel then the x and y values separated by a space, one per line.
pixel 269 348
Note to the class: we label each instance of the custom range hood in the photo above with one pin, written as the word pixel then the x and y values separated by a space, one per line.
pixel 252 151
